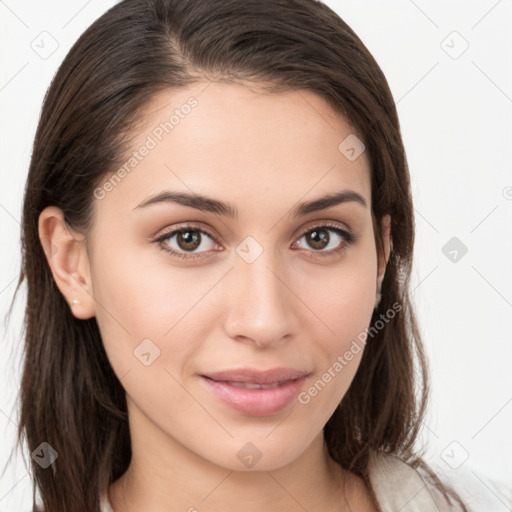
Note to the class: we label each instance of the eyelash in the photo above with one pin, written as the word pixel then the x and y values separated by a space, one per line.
pixel 349 239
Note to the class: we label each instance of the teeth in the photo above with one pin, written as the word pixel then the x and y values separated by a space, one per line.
pixel 251 385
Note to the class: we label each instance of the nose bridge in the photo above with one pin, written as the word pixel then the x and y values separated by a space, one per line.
pixel 260 304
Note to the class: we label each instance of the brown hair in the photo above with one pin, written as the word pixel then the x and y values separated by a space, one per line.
pixel 70 396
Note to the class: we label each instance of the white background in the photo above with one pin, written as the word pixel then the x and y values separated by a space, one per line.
pixel 456 116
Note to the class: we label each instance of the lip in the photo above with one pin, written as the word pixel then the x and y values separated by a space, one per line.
pixel 256 402
pixel 255 376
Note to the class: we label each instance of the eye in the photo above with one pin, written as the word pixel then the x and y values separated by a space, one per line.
pixel 319 239
pixel 184 241
pixel 187 239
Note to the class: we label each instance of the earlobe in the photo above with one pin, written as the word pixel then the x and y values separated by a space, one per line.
pixel 67 258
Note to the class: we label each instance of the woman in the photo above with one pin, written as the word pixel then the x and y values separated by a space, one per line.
pixel 217 242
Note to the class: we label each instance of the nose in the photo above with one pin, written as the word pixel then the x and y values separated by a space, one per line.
pixel 260 305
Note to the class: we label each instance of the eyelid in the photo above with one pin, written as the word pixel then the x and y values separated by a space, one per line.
pixel 323 223
pixel 188 225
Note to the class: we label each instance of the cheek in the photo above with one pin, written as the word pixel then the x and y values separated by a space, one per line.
pixel 138 300
pixel 339 354
pixel 346 298
pixel 345 304
pixel 347 313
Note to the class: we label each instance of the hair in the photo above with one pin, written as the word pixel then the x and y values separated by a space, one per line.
pixel 70 396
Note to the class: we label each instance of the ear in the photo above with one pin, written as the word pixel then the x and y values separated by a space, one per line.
pixel 387 244
pixel 67 257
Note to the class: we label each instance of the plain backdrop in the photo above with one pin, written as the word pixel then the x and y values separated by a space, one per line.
pixel 449 66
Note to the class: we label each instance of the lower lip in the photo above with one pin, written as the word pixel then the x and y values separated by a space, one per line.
pixel 256 402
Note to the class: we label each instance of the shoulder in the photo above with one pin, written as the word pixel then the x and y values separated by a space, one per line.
pixel 478 492
pixel 400 486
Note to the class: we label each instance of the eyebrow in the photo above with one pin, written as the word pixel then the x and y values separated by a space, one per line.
pixel 208 204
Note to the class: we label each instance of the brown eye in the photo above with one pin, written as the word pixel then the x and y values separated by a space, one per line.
pixel 327 240
pixel 184 242
pixel 188 240
pixel 318 238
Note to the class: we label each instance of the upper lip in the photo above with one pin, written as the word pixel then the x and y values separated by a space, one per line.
pixel 255 376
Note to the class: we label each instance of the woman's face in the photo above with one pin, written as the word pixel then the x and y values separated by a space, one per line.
pixel 254 284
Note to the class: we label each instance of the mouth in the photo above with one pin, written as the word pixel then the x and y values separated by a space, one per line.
pixel 253 385
pixel 253 398
pixel 256 376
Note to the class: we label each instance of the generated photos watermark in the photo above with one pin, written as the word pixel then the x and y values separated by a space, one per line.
pixel 343 360
pixel 152 140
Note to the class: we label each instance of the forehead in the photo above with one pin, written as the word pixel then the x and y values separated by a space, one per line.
pixel 234 141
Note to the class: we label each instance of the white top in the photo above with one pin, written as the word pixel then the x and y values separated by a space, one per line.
pixel 399 487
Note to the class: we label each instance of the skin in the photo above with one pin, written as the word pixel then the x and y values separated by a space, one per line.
pixel 290 307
